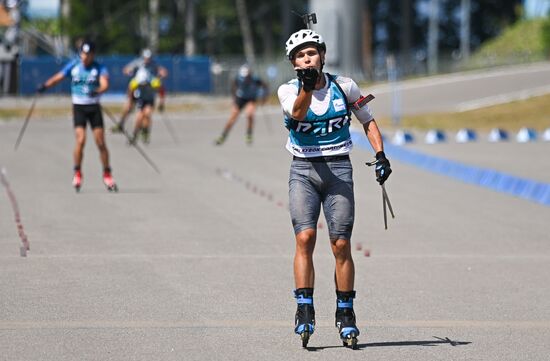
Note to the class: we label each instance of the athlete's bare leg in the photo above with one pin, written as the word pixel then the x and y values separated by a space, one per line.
pixel 99 136
pixel 304 272
pixel 138 123
pixel 250 110
pixel 147 112
pixel 235 111
pixel 344 273
pixel 127 108
pixel 80 138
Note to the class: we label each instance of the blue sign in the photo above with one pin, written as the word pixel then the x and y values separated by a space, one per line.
pixel 185 74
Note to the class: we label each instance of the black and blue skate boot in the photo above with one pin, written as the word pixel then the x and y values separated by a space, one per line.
pixel 305 314
pixel 345 318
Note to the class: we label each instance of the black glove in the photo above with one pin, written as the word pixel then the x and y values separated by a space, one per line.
pixel 308 76
pixel 382 168
pixel 41 88
pixel 161 107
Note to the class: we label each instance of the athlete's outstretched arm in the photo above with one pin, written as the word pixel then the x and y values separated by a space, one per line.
pixel 374 136
pixel 129 68
pixel 55 79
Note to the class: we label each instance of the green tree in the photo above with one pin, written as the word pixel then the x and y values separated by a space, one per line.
pixel 546 35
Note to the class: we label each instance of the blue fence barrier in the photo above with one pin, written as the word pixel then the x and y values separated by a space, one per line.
pixel 185 74
pixel 531 190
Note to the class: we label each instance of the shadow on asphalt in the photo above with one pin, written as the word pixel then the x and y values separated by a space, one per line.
pixel 439 341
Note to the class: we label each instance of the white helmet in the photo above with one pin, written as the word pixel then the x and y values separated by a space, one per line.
pixel 146 53
pixel 244 71
pixel 302 37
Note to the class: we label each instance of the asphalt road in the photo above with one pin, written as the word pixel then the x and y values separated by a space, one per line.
pixel 196 263
pixel 463 91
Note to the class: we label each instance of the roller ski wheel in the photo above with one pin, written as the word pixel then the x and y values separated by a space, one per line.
pixel 110 182
pixel 350 341
pixel 113 189
pixel 305 331
pixel 304 336
pixel 117 129
pixel 220 140
pixel 345 319
pixel 77 181
pixel 305 314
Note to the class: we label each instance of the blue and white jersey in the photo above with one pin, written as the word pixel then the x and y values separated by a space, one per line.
pixel 84 80
pixel 325 129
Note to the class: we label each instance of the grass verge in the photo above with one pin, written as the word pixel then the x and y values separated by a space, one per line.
pixel 533 112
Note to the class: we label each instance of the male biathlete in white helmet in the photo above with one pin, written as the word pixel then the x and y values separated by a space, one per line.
pixel 317 108
pixel 89 80
pixel 246 89
pixel 146 80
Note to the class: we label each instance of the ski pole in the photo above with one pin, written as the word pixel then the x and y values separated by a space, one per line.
pixel 138 148
pixel 15 207
pixel 385 199
pixel 170 128
pixel 22 131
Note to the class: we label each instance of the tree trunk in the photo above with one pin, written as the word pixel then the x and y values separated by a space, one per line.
pixel 244 22
pixel 65 15
pixel 367 42
pixel 190 28
pixel 433 37
pixel 154 25
pixel 285 16
pixel 465 29
pixel 406 31
pixel 267 36
pixel 180 14
pixel 212 34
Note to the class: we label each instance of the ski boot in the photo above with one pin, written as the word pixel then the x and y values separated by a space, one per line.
pixel 109 181
pixel 132 140
pixel 145 135
pixel 305 314
pixel 220 140
pixel 248 139
pixel 77 180
pixel 118 128
pixel 345 318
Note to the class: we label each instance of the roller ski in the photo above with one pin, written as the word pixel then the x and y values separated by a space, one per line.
pixel 305 314
pixel 118 128
pixel 145 135
pixel 345 319
pixel 109 182
pixel 77 180
pixel 220 140
pixel 132 140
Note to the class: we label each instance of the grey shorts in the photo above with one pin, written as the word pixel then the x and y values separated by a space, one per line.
pixel 312 184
